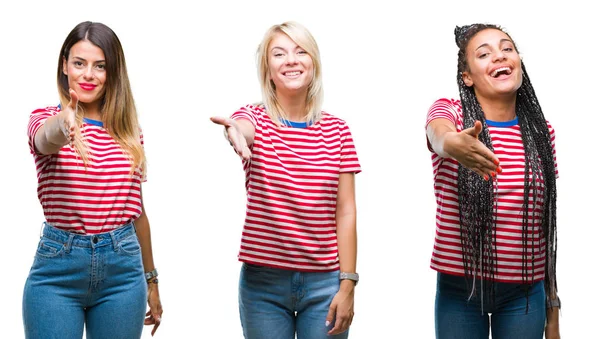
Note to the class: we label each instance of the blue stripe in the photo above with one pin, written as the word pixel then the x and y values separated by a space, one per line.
pixel 509 123
pixel 93 122
pixel 295 124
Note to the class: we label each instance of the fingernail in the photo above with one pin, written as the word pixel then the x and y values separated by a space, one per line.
pixel 327 323
pixel 496 161
pixel 493 174
pixel 486 178
pixel 499 169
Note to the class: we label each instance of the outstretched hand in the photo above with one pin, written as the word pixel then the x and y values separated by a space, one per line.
pixel 466 148
pixel 234 135
pixel 69 114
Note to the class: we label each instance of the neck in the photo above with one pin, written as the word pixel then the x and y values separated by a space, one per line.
pixel 499 109
pixel 294 105
pixel 92 111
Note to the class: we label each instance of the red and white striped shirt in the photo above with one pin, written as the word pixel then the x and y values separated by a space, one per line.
pixel 291 183
pixel 89 200
pixel 508 147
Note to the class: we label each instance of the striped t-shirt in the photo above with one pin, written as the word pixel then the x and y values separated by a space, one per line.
pixel 508 147
pixel 89 200
pixel 291 183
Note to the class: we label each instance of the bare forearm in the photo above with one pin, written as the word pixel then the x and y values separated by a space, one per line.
pixel 50 138
pixel 346 238
pixel 436 133
pixel 142 226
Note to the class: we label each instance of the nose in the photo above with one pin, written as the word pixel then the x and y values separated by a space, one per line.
pixel 89 73
pixel 498 55
pixel 291 58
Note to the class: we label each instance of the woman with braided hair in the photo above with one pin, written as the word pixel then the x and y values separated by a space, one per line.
pixel 495 176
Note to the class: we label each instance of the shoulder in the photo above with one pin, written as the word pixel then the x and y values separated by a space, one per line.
pixel 448 104
pixel 49 110
pixel 329 119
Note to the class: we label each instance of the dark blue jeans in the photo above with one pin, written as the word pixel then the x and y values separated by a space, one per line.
pixel 457 318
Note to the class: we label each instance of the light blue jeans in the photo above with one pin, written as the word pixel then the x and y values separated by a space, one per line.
pixel 277 304
pixel 457 318
pixel 96 280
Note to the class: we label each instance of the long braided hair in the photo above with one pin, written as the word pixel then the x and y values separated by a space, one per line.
pixel 476 197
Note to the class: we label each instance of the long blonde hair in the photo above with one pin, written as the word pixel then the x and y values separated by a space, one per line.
pixel 119 114
pixel 314 99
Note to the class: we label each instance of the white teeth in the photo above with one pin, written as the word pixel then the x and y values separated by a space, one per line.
pixel 495 72
pixel 292 73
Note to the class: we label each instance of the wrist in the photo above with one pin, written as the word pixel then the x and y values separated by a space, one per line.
pixel 347 285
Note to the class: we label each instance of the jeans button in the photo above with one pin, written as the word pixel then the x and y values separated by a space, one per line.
pixel 95 239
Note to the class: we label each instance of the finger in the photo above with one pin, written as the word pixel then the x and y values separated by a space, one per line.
pixel 330 314
pixel 155 328
pixel 475 130
pixel 221 121
pixel 74 99
pixel 483 163
pixel 339 326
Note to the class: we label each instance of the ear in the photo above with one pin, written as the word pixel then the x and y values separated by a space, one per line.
pixel 467 79
pixel 64 65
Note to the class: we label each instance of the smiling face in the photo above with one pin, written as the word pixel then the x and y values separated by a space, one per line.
pixel 85 69
pixel 493 64
pixel 290 66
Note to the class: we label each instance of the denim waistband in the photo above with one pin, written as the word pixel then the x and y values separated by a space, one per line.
pixel 91 240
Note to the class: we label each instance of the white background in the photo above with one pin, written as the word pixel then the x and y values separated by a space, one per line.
pixel 383 67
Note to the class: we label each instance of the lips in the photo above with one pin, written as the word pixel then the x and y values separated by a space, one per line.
pixel 87 86
pixel 292 74
pixel 504 70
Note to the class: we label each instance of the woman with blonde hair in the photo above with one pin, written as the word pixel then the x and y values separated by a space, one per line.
pixel 90 262
pixel 299 240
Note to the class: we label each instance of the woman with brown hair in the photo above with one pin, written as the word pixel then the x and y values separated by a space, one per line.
pixel 94 263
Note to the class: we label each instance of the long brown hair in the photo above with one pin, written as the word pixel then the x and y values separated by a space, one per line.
pixel 119 114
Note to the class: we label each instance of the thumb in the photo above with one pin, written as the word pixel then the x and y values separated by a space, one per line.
pixel 74 99
pixel 221 121
pixel 475 130
pixel 330 314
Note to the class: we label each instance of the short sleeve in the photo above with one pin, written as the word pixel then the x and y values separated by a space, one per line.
pixel 444 109
pixel 552 141
pixel 349 158
pixel 36 121
pixel 248 112
pixel 143 174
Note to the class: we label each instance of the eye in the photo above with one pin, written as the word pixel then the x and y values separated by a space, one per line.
pixel 278 54
pixel 507 49
pixel 482 55
pixel 78 63
pixel 301 52
pixel 101 66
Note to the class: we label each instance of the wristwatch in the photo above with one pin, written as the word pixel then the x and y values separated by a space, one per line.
pixel 349 276
pixel 151 274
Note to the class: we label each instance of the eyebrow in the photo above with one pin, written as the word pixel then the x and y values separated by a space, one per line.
pixel 487 45
pixel 82 59
pixel 283 49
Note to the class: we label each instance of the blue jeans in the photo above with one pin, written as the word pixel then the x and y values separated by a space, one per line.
pixel 93 279
pixel 276 303
pixel 455 317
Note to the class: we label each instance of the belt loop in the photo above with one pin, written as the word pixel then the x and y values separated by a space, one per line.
pixel 69 243
pixel 114 240
pixel 42 230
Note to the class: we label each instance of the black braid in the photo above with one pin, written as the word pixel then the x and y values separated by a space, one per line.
pixel 476 197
